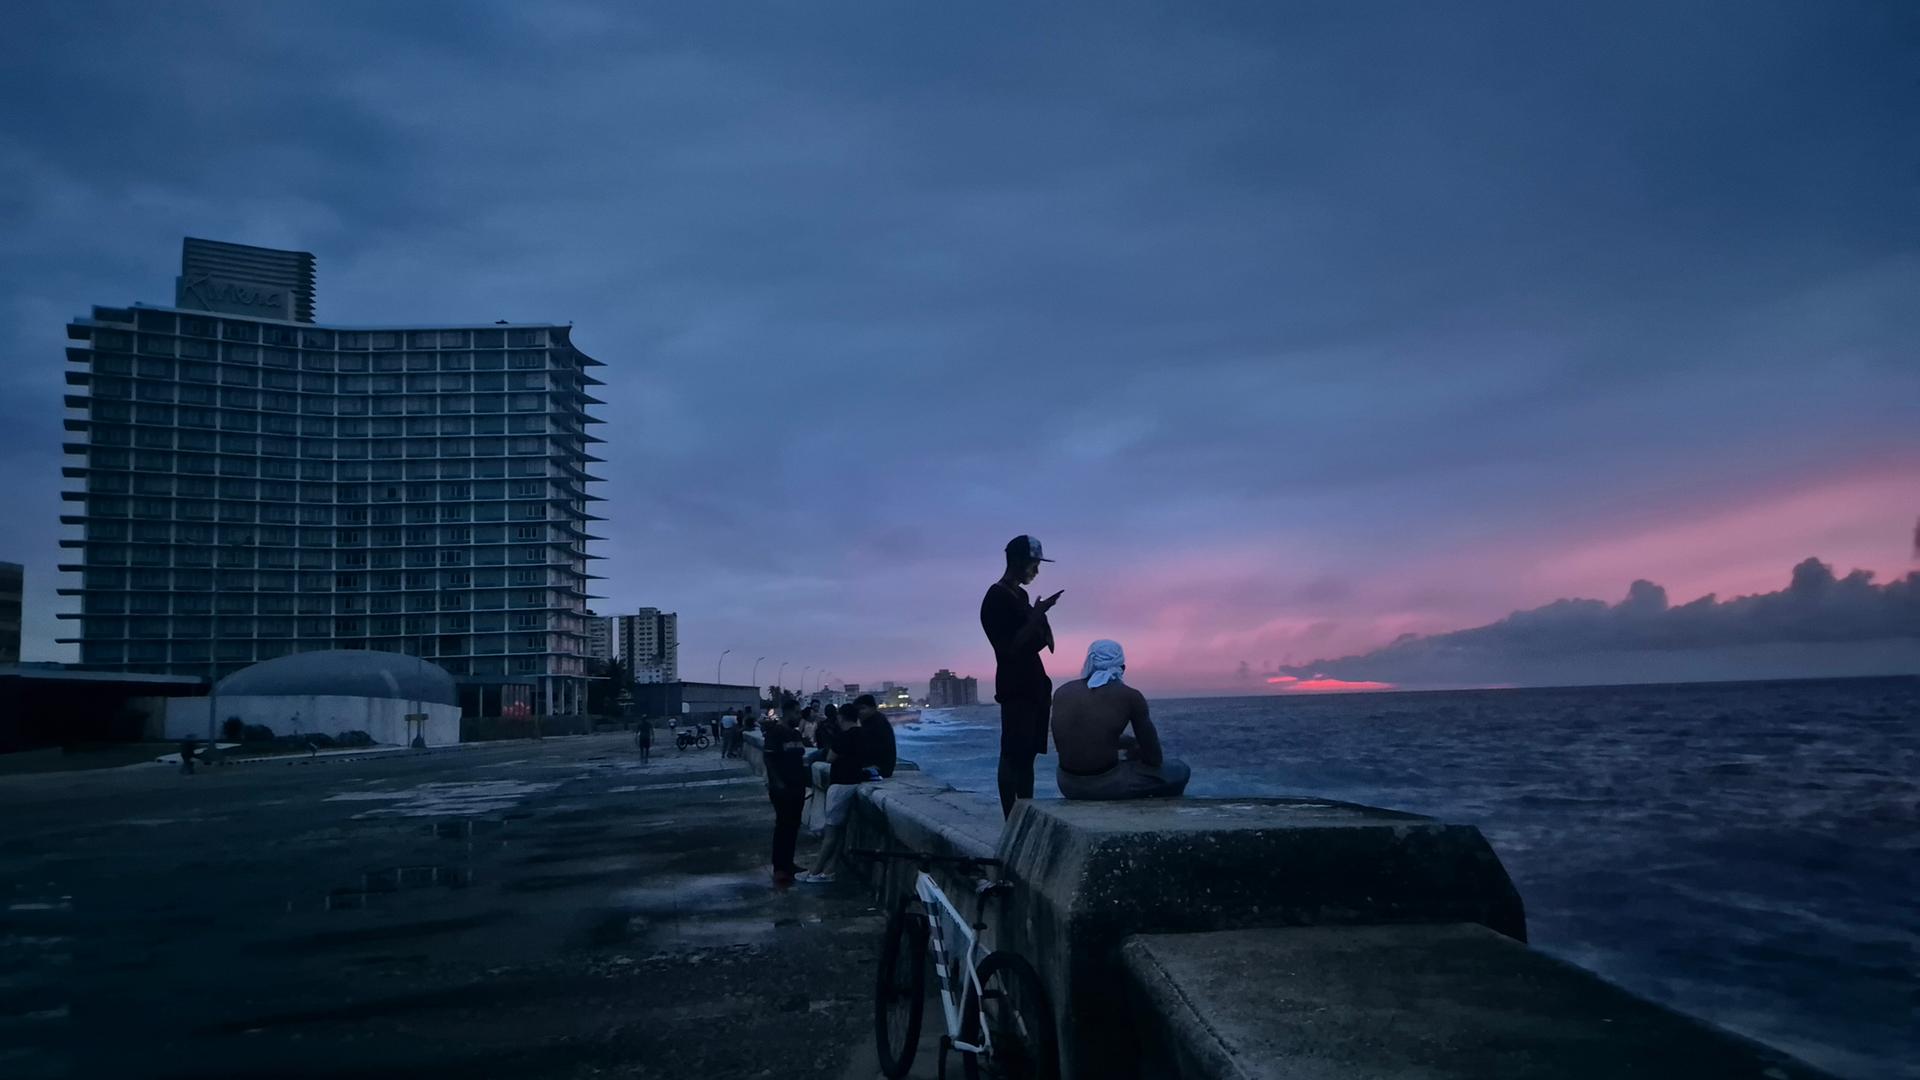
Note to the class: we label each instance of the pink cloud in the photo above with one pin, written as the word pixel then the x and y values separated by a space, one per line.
pixel 1851 520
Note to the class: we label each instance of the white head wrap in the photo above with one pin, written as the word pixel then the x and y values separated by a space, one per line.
pixel 1106 662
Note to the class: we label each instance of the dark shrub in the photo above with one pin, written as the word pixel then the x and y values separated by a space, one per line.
pixel 232 730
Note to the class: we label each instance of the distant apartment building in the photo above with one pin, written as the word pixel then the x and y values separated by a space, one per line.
pixel 12 582
pixel 252 484
pixel 650 645
pixel 892 695
pixel 949 691
pixel 599 637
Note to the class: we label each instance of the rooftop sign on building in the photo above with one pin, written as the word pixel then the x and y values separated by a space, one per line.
pixel 238 279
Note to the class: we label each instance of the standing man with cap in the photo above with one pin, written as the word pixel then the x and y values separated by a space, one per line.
pixel 1018 629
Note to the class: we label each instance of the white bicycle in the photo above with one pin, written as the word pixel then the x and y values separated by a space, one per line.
pixel 995 1005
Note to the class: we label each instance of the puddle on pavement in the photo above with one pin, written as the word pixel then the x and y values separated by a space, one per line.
pixel 397 879
pixel 684 932
pixel 722 931
pixel 472 798
pixel 465 828
pixel 693 894
pixel 694 911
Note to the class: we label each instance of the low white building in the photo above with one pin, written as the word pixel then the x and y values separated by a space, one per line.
pixel 333 691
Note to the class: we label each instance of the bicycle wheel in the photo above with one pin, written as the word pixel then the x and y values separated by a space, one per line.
pixel 900 992
pixel 703 742
pixel 1019 1022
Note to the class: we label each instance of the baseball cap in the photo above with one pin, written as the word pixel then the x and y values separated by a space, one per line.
pixel 1026 547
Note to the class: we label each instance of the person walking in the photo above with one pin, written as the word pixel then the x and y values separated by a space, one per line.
pixel 645 740
pixel 1018 630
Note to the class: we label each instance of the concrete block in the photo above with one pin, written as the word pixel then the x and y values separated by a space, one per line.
pixel 1091 874
pixel 1435 1001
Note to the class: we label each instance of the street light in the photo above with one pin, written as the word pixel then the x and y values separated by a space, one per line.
pixel 803 679
pixel 716 666
pixel 755 678
pixel 780 681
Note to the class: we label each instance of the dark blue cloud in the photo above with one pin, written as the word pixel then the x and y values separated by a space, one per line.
pixel 1125 277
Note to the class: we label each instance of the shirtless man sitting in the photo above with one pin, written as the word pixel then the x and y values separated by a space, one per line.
pixel 1091 716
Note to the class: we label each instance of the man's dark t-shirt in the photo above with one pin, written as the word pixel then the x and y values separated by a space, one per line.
pixel 1020 682
pixel 1019 675
pixel 786 772
pixel 878 749
pixel 849 764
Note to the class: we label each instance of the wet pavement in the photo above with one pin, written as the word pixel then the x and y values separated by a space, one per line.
pixel 548 909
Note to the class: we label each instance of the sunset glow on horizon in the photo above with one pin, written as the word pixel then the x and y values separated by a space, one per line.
pixel 1320 684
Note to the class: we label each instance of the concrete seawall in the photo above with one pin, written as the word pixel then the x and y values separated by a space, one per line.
pixel 1282 937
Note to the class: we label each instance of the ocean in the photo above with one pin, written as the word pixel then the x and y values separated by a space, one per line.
pixel 1746 852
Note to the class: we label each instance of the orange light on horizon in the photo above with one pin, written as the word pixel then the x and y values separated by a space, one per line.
pixel 1320 684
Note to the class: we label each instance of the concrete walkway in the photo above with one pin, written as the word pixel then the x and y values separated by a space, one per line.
pixel 546 909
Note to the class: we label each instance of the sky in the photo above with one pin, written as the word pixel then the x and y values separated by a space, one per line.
pixel 1289 329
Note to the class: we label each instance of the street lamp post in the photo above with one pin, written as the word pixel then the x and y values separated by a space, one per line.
pixel 780 683
pixel 755 678
pixel 717 663
pixel 803 679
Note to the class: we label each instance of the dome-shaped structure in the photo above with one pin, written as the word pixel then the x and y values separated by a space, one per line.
pixel 345 673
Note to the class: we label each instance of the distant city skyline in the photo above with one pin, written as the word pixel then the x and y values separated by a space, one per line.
pixel 1290 332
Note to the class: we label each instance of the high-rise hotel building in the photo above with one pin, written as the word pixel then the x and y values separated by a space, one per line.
pixel 252 484
pixel 650 645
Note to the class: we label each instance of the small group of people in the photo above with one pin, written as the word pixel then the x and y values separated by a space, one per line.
pixel 729 731
pixel 1108 746
pixel 856 742
pixel 1103 729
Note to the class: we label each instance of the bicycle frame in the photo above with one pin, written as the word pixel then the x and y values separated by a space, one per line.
pixel 950 933
pixel 954 941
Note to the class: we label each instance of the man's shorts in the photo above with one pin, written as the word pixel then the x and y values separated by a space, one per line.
pixel 840 802
pixel 1023 725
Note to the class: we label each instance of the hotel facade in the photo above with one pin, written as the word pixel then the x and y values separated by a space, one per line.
pixel 249 483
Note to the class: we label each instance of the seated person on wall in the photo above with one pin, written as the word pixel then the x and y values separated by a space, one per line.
pixel 1091 716
pixel 878 749
pixel 847 762
pixel 822 733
